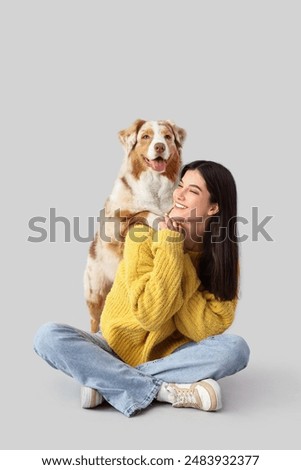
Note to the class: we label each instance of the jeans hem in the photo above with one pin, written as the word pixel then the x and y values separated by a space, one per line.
pixel 132 410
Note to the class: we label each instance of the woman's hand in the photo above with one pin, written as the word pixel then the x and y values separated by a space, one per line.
pixel 171 224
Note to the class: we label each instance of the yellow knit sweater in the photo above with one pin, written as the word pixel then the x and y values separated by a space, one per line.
pixel 155 304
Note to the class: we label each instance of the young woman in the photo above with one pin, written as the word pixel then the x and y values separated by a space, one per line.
pixel 174 295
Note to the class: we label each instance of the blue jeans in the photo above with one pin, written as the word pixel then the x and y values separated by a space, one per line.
pixel 88 358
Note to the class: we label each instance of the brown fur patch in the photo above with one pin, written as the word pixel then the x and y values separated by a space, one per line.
pixel 146 131
pixel 116 247
pixel 95 312
pixel 138 163
pixel 178 132
pixel 138 218
pixel 128 137
pixel 127 219
pixel 126 184
pixel 173 166
pixel 92 249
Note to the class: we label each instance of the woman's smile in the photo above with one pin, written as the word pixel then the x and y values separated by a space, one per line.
pixel 180 206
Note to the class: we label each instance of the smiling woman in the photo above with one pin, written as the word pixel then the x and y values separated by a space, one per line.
pixel 192 207
pixel 174 295
pixel 205 210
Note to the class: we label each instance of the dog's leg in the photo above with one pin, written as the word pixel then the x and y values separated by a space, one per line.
pixel 98 277
pixel 144 218
pixel 95 294
pixel 95 309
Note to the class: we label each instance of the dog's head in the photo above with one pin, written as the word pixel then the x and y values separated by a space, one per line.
pixel 154 145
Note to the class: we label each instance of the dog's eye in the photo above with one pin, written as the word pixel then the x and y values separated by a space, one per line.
pixel 145 136
pixel 168 137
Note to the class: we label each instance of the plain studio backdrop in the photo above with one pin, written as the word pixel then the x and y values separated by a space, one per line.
pixel 74 73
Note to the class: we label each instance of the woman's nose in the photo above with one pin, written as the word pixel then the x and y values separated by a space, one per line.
pixel 181 193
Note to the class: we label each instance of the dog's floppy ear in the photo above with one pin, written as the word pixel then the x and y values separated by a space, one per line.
pixel 128 137
pixel 180 134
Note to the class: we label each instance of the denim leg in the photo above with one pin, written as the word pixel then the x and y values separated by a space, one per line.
pixel 88 358
pixel 214 357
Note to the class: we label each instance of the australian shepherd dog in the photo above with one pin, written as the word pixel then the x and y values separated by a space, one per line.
pixel 142 191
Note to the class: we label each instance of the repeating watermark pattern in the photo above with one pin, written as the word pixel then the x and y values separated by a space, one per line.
pixel 111 228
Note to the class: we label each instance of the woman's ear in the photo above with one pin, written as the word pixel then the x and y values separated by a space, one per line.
pixel 213 209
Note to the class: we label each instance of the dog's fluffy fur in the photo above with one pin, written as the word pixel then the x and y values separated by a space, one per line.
pixel 143 189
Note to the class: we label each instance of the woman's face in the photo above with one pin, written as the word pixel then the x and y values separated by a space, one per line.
pixel 192 201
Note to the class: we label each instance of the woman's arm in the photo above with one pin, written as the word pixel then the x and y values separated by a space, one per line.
pixel 201 314
pixel 153 274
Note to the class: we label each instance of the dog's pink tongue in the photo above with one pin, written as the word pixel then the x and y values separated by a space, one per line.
pixel 158 165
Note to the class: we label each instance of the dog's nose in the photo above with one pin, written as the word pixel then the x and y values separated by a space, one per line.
pixel 159 148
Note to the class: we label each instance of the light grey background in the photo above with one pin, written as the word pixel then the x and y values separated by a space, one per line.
pixel 72 75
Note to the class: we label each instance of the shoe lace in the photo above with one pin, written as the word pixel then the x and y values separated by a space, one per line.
pixel 185 395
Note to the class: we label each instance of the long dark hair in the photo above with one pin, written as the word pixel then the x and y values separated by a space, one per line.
pixel 218 267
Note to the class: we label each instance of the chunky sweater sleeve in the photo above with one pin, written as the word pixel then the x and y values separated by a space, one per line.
pixel 201 314
pixel 153 275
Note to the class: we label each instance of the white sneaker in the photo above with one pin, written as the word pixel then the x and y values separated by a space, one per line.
pixel 90 398
pixel 204 395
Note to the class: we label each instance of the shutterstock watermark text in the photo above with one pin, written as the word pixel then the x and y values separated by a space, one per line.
pixel 58 228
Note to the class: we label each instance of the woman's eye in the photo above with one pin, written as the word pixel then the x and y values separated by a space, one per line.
pixel 194 192
pixel 145 136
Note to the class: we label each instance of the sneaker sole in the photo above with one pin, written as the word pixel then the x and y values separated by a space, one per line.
pixel 214 392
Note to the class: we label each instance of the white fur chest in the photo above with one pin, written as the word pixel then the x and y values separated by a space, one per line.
pixel 152 192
